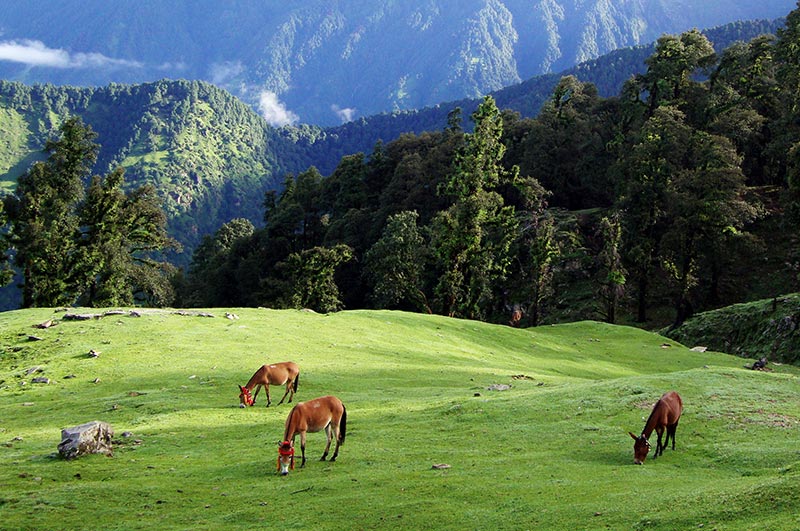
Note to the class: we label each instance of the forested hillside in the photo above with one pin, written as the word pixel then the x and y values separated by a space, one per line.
pixel 210 157
pixel 376 56
pixel 644 206
pixel 677 195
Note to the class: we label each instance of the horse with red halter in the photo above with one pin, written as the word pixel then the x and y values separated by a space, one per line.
pixel 325 413
pixel 665 415
pixel 277 374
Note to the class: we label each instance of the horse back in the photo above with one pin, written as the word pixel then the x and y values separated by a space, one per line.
pixel 275 373
pixel 314 415
pixel 671 407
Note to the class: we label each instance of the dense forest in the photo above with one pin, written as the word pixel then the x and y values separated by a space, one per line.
pixel 664 195
pixel 673 193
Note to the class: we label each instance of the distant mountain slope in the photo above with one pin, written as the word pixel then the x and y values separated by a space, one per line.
pixel 607 73
pixel 210 156
pixel 325 62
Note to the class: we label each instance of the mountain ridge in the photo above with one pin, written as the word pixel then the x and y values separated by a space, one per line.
pixel 375 56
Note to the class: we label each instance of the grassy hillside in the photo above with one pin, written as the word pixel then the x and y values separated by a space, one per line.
pixel 765 328
pixel 551 452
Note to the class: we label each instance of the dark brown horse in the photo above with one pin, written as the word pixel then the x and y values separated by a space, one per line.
pixel 666 414
pixel 277 374
pixel 325 413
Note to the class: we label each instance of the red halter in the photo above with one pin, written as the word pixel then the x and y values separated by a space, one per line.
pixel 285 449
pixel 246 396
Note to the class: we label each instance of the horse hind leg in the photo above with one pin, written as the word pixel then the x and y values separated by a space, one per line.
pixel 338 443
pixel 671 431
pixel 288 388
pixel 328 431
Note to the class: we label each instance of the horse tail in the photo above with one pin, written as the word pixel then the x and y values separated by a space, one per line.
pixel 296 379
pixel 343 425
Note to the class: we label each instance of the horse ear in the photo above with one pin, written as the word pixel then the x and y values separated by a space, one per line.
pixel 635 438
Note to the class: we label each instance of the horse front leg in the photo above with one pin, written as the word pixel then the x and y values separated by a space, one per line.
pixel 659 445
pixel 258 390
pixel 328 445
pixel 303 448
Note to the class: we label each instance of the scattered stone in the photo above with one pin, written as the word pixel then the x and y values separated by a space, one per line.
pixel 32 370
pixel 665 345
pixel 760 365
pixel 81 316
pixel 35 338
pixel 231 316
pixel 127 434
pixel 69 377
pixel 46 324
pixel 96 380
pixel 93 353
pixel 698 349
pixel 521 377
pixel 499 387
pixel 41 380
pixel 90 438
pixel 440 466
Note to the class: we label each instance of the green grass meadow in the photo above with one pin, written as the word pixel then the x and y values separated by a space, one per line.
pixel 551 452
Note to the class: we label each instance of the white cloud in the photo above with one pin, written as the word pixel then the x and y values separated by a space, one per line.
pixel 345 114
pixel 224 72
pixel 274 111
pixel 35 53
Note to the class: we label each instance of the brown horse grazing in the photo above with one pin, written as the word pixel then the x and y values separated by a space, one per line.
pixel 666 414
pixel 325 413
pixel 277 374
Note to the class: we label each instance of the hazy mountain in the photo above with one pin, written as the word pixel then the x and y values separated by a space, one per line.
pixel 324 62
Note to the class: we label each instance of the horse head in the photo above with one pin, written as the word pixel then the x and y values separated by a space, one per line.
pixel 285 457
pixel 245 398
pixel 640 448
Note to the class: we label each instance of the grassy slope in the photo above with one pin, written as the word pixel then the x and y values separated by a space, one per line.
pixel 767 327
pixel 550 453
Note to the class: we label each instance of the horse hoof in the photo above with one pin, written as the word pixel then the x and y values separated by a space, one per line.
pixel 241 406
pixel 284 473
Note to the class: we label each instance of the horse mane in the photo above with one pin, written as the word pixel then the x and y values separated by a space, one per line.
pixel 650 425
pixel 252 381
pixel 288 424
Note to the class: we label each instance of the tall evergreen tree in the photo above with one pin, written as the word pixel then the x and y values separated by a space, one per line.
pixel 6 273
pixel 44 222
pixel 395 263
pixel 121 231
pixel 472 238
pixel 312 274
